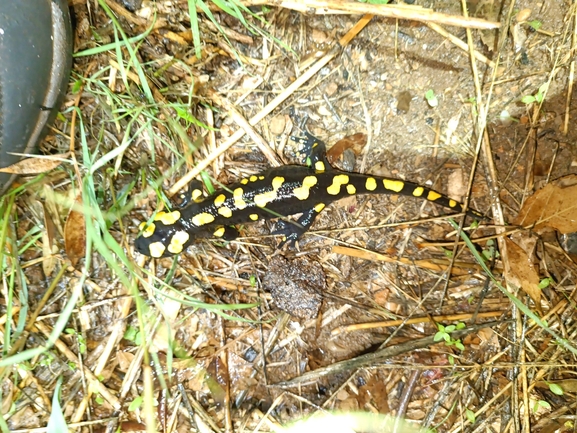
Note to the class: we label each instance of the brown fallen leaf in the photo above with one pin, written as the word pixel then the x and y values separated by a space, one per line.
pixel 355 142
pixel 75 233
pixel 568 385
pixel 554 206
pixel 36 164
pixel 523 272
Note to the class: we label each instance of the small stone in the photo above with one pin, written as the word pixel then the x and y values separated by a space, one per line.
pixel 278 124
pixel 331 89
pixel 523 15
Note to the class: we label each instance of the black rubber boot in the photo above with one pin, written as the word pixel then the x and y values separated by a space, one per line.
pixel 35 61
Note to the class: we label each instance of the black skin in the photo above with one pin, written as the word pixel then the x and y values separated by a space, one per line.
pixel 285 201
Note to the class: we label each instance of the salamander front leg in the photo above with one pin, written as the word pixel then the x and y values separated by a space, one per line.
pixel 313 152
pixel 194 193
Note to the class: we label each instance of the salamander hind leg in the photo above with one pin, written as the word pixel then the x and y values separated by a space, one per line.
pixel 226 233
pixel 292 230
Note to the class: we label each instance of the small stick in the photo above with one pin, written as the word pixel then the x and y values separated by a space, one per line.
pixel 414 320
pixel 459 43
pixel 405 12
pixel 223 147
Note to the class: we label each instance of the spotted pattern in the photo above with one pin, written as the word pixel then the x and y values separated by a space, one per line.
pixel 147 230
pixel 202 218
pixel 196 194
pixel 177 242
pixel 167 218
pixel 264 198
pixel 156 249
pixel 338 181
pixel 393 185
pixel 371 184
pixel 418 191
pixel 238 199
pixel 219 200
pixel 303 192
pixel 213 212
pixel 225 211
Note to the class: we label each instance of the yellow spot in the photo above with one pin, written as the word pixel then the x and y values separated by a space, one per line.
pixel 319 207
pixel 302 192
pixel 338 180
pixel 219 232
pixel 219 200
pixel 351 189
pixel 319 166
pixel 147 231
pixel 196 194
pixel 262 199
pixel 156 249
pixel 238 200
pixel 244 181
pixel 310 181
pixel 225 212
pixel 433 195
pixel 418 191
pixel 261 178
pixel 277 182
pixel 253 178
pixel 452 203
pixel 202 219
pixel 371 184
pixel 253 216
pixel 393 185
pixel 167 218
pixel 177 242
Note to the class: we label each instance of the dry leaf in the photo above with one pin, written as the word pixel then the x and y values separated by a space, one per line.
pixel 519 37
pixel 124 360
pixel 75 234
pixel 355 142
pixel 553 206
pixel 49 247
pixel 568 385
pixel 278 124
pixel 36 165
pixel 523 272
pixel 523 15
pixel 456 187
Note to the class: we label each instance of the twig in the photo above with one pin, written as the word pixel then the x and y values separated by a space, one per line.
pixel 253 121
pixel 405 12
pixel 378 357
pixel 460 44
pixel 387 323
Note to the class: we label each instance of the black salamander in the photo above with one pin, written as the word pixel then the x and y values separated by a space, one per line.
pixel 277 192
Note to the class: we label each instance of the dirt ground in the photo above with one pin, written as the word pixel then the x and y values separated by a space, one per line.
pixel 142 348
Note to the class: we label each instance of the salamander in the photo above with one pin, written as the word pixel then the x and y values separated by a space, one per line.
pixel 275 193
